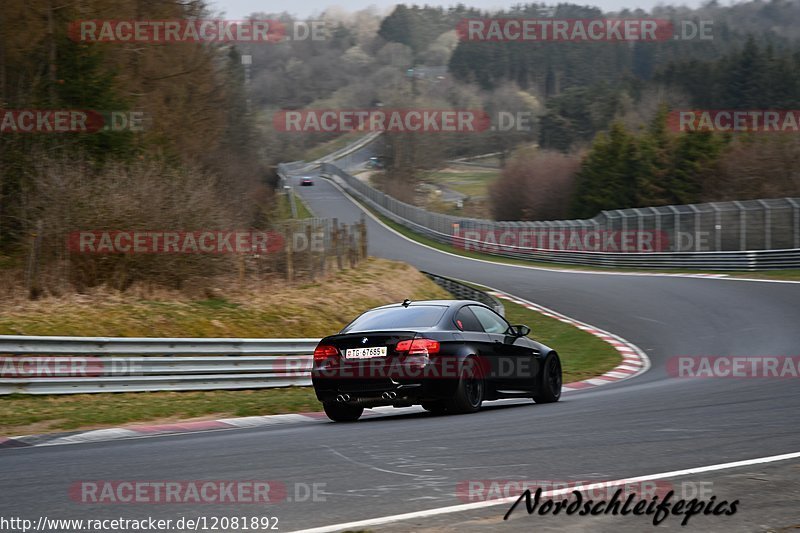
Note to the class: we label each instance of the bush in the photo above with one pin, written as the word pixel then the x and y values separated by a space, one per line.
pixel 535 185
pixel 65 197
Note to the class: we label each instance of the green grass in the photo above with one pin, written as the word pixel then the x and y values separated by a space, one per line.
pixel 313 309
pixel 583 356
pixel 321 150
pixel 217 303
pixel 790 274
pixel 267 309
pixel 302 209
pixel 24 413
pixel 473 183
pixel 283 208
pixel 271 308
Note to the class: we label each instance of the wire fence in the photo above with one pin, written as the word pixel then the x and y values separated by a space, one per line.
pixel 735 235
pixel 293 249
pixel 312 247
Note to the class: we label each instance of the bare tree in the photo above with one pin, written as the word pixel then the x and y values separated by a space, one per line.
pixel 535 185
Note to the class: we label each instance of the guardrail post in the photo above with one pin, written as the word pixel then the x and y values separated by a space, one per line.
pixel 767 225
pixel 717 227
pixel 796 217
pixel 676 228
pixel 697 220
pixel 742 225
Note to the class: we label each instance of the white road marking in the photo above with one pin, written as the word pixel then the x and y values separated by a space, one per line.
pixel 268 420
pixel 93 436
pixel 505 501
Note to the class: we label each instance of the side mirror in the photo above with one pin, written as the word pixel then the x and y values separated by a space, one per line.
pixel 520 330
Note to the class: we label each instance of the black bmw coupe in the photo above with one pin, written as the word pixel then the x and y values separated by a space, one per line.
pixel 447 355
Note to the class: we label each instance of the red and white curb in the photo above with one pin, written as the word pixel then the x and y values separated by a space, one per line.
pixel 634 360
pixel 177 428
pixel 634 363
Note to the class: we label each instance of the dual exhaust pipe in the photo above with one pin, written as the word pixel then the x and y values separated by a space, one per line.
pixel 344 398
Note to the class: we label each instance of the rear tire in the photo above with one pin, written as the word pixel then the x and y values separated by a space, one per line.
pixel 341 412
pixel 469 393
pixel 550 385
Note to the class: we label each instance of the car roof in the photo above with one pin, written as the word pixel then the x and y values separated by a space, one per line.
pixel 445 303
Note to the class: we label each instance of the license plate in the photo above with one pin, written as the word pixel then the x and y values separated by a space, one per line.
pixel 365 353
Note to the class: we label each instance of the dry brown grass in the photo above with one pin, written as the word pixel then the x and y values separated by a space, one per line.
pixel 267 308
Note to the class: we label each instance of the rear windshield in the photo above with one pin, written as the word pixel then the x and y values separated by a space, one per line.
pixel 416 316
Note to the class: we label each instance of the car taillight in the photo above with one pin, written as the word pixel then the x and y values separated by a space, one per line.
pixel 418 346
pixel 324 351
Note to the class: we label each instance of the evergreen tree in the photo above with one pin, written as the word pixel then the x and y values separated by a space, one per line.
pixel 695 160
pixel 655 152
pixel 607 179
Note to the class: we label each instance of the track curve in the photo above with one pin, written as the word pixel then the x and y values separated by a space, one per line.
pixel 414 461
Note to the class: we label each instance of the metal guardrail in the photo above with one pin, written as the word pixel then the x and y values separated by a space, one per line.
pixel 301 167
pixel 350 148
pixel 28 345
pixel 287 170
pixel 99 364
pixel 76 365
pixel 441 229
pixel 462 291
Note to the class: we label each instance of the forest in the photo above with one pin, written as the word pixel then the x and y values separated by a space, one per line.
pixel 204 151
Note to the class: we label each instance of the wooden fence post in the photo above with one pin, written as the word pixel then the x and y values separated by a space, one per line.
pixel 311 266
pixel 352 250
pixel 339 238
pixel 34 284
pixel 289 258
pixel 363 236
pixel 324 253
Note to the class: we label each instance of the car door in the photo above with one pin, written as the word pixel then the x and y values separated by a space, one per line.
pixel 471 331
pixel 513 358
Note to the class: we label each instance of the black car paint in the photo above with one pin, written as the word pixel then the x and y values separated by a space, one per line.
pixel 510 365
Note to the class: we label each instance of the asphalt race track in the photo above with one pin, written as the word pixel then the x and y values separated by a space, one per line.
pixel 414 461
